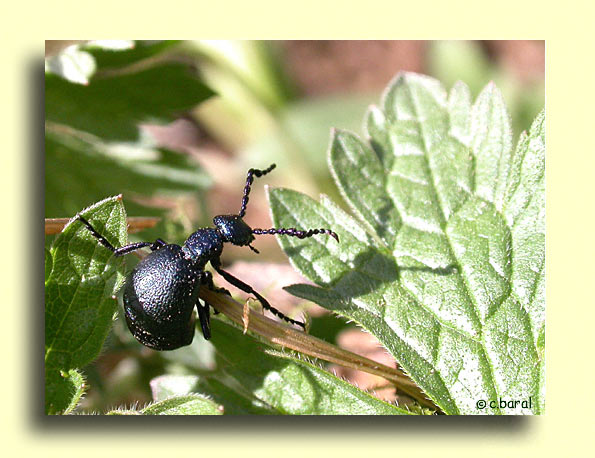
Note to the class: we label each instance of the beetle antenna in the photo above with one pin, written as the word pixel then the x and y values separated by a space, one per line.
pixel 249 180
pixel 293 232
pixel 253 249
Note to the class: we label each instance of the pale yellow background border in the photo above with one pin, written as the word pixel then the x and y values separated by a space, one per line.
pixel 568 426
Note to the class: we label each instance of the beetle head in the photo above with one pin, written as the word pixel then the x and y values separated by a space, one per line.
pixel 233 229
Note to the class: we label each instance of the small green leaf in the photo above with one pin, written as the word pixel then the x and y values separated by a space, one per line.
pixel 191 404
pixel 63 390
pixel 78 306
pixel 304 388
pixel 283 383
pixel 446 263
pixel 112 107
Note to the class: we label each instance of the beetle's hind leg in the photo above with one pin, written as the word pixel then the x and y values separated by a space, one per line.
pixel 202 307
pixel 207 280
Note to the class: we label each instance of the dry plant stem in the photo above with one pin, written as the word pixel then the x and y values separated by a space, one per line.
pixel 135 224
pixel 280 334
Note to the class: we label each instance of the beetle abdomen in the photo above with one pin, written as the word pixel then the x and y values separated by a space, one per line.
pixel 159 297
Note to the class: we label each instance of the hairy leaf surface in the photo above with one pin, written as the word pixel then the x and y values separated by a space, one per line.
pixel 444 260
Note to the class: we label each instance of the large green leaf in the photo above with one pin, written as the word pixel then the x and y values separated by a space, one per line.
pixel 445 262
pixel 80 170
pixel 106 57
pixel 94 146
pixel 111 106
pixel 79 308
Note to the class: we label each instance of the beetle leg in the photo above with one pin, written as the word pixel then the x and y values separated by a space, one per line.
pixel 248 289
pixel 204 317
pixel 207 279
pixel 124 249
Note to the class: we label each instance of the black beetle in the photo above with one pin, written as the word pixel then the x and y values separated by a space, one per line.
pixel 162 290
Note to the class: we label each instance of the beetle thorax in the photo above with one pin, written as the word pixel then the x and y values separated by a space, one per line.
pixel 203 245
